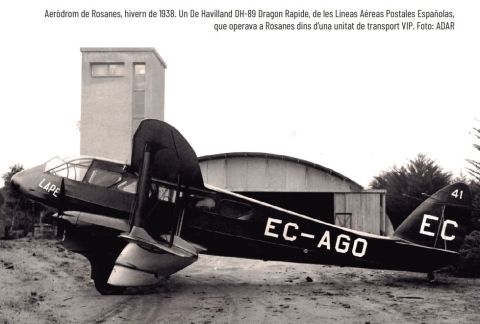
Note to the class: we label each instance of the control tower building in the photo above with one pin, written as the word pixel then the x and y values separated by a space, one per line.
pixel 120 87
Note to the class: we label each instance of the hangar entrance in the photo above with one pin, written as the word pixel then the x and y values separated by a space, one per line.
pixel 319 205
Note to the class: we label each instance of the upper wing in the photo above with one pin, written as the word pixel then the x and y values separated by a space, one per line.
pixel 173 157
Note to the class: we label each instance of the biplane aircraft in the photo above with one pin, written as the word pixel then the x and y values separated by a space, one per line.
pixel 142 222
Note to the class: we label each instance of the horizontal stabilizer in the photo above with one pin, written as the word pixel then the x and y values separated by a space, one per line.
pixel 137 266
pixel 179 248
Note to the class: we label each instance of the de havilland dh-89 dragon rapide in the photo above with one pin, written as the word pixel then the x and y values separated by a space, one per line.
pixel 142 222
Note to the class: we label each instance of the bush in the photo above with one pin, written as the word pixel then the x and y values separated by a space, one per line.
pixel 468 264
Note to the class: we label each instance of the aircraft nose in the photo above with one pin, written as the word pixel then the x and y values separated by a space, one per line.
pixel 24 181
pixel 16 180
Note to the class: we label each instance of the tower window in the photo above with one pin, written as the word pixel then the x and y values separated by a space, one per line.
pixel 138 111
pixel 139 77
pixel 139 68
pixel 107 69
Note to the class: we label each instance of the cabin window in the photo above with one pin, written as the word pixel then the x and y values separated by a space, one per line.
pixel 129 185
pixel 166 194
pixel 103 178
pixel 205 203
pixel 234 209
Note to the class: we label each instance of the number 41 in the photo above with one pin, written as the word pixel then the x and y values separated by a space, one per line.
pixel 457 194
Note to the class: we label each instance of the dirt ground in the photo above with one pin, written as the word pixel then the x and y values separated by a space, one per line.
pixel 40 282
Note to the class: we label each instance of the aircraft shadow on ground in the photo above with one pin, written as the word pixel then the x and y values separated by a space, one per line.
pixel 340 285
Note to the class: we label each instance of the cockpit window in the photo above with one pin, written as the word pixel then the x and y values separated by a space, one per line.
pixel 54 162
pixel 73 169
pixel 103 178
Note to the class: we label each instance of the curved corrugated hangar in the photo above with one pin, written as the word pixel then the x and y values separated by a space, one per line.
pixel 301 186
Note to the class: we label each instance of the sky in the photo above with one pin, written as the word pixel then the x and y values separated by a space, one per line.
pixel 355 102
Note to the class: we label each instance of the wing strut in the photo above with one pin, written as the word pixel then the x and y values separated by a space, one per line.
pixel 178 213
pixel 138 234
pixel 142 189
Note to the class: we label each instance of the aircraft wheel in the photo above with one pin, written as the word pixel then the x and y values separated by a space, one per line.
pixel 100 273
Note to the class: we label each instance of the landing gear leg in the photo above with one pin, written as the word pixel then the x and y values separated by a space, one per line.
pixel 431 277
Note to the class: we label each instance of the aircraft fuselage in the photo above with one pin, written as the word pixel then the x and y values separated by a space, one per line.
pixel 223 223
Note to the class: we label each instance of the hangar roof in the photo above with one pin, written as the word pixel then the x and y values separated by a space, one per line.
pixel 350 184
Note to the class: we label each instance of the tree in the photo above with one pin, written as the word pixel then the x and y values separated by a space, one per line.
pixel 17 210
pixel 7 176
pixel 406 186
pixel 469 261
pixel 474 170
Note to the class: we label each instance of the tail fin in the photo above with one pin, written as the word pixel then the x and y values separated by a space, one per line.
pixel 441 221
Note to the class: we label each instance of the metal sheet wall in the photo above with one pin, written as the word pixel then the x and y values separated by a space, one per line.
pixel 363 211
pixel 270 174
